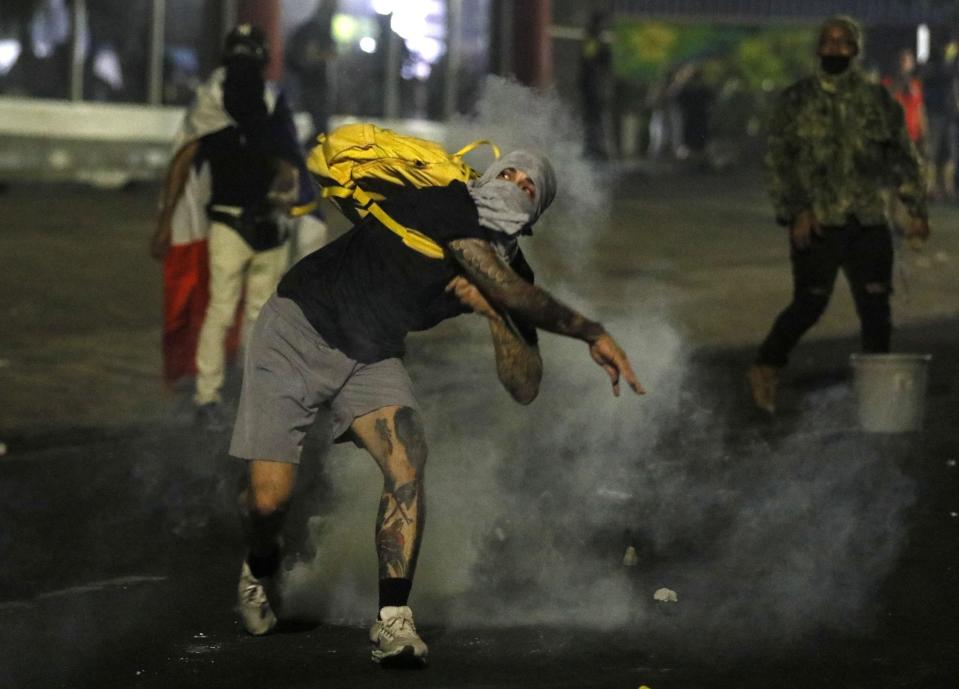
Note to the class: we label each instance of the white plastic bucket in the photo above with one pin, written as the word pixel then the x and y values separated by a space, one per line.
pixel 890 391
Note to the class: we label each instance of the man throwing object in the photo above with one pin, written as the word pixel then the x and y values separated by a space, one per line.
pixel 334 334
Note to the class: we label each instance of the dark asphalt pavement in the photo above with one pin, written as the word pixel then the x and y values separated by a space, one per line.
pixel 805 553
pixel 120 553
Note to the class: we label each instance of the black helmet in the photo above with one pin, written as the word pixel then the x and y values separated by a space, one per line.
pixel 247 41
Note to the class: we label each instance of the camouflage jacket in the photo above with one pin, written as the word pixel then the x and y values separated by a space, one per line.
pixel 836 145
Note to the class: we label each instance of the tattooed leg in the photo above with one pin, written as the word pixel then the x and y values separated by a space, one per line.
pixel 395 438
pixel 399 525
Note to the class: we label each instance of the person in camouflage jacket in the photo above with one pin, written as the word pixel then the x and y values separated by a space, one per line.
pixel 837 146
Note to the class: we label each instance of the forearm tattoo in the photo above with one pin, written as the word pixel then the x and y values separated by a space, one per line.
pixel 518 363
pixel 499 283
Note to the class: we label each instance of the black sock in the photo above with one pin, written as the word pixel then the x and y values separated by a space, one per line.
pixel 394 591
pixel 264 565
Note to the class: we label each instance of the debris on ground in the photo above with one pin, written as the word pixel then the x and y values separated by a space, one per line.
pixel 630 557
pixel 665 595
pixel 614 495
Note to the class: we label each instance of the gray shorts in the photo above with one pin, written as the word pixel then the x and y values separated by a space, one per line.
pixel 289 372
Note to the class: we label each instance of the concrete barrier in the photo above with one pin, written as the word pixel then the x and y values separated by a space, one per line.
pixel 110 145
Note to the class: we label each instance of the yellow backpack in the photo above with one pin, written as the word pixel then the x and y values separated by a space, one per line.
pixel 354 154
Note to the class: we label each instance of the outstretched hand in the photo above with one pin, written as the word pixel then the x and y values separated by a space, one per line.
pixel 604 350
pixel 608 354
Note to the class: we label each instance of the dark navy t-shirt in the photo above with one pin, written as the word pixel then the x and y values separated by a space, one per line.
pixel 366 290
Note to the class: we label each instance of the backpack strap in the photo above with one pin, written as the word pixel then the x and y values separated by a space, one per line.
pixel 299 211
pixel 337 192
pixel 417 241
pixel 472 146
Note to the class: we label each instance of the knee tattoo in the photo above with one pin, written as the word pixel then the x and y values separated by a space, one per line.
pixel 382 427
pixel 412 436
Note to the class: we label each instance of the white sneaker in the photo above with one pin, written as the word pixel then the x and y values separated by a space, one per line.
pixel 394 638
pixel 253 605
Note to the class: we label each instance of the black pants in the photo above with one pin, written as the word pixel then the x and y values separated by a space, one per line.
pixel 865 255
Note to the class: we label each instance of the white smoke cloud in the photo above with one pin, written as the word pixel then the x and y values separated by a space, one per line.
pixel 513 116
pixel 764 539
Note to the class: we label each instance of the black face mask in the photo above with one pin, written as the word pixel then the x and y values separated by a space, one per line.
pixel 835 64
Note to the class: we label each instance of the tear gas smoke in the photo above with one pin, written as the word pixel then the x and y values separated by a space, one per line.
pixel 513 116
pixel 530 508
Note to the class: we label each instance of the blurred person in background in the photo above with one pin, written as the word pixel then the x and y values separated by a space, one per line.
pixel 941 88
pixel 308 58
pixel 595 77
pixel 837 143
pixel 42 29
pixel 242 129
pixel 906 87
pixel 668 126
pixel 665 115
pixel 696 98
pixel 116 53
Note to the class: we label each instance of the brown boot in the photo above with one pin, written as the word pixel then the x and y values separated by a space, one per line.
pixel 763 381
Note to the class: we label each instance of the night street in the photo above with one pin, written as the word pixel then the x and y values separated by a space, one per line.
pixel 803 551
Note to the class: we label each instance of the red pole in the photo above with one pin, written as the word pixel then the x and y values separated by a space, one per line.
pixel 267 15
pixel 532 44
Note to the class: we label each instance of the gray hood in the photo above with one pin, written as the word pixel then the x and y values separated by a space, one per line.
pixel 502 206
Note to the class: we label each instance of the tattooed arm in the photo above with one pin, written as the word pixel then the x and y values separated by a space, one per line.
pixel 518 363
pixel 508 292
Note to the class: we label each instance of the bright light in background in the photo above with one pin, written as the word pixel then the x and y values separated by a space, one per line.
pixel 422 26
pixel 106 65
pixel 383 6
pixel 429 49
pixel 345 28
pixel 419 18
pixel 9 52
pixel 922 44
